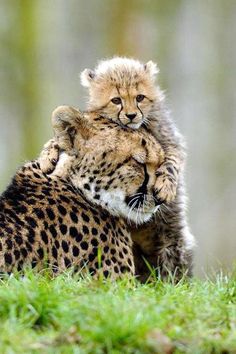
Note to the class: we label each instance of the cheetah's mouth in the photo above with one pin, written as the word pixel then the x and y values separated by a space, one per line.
pixel 137 209
pixel 140 199
pixel 141 211
pixel 131 125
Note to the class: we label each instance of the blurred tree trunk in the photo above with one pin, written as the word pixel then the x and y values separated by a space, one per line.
pixel 28 85
pixel 121 12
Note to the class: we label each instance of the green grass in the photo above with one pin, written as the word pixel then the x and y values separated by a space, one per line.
pixel 66 315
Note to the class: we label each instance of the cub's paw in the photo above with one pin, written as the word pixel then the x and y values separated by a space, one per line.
pixel 165 186
pixel 49 156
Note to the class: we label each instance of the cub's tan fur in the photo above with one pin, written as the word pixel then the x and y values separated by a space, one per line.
pixel 124 90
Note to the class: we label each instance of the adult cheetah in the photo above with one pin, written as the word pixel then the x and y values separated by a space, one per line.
pixel 75 216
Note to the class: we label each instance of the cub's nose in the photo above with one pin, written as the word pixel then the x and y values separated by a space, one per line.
pixel 131 116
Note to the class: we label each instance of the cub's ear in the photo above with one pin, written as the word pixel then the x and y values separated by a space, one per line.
pixel 65 122
pixel 86 77
pixel 151 68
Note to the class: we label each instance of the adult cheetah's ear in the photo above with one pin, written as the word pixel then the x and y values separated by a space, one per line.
pixel 151 68
pixel 65 121
pixel 86 77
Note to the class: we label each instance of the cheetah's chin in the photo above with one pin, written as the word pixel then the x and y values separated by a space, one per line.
pixel 134 125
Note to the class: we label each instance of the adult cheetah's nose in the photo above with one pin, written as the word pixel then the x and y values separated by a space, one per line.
pixel 131 116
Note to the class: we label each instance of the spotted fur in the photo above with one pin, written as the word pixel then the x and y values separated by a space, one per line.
pixel 75 215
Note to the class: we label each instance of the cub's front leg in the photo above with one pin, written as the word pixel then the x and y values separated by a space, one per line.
pixel 48 157
pixel 164 130
pixel 167 178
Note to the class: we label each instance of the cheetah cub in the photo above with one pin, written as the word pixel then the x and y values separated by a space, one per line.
pixel 124 91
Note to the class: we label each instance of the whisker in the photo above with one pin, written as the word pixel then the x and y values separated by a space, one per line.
pixel 135 195
pixel 144 201
pixel 164 206
pixel 137 214
pixel 132 201
pixel 131 209
pixel 146 122
pixel 162 215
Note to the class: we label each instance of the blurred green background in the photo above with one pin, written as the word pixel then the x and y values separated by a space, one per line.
pixel 44 44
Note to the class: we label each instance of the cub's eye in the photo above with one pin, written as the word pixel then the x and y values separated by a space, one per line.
pixel 116 100
pixel 140 98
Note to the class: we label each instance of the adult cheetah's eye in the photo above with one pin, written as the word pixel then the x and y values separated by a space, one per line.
pixel 140 98
pixel 116 100
pixel 139 159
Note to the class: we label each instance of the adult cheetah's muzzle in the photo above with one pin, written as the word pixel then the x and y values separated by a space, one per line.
pixel 135 201
pixel 138 199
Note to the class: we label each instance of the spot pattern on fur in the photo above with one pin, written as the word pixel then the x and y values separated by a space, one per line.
pixel 56 219
pixel 41 239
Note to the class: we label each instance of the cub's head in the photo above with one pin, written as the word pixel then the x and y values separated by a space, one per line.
pixel 113 167
pixel 123 90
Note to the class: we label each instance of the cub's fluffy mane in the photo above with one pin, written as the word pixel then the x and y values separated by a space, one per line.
pixel 119 69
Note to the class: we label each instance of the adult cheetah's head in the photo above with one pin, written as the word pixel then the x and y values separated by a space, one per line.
pixel 112 166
